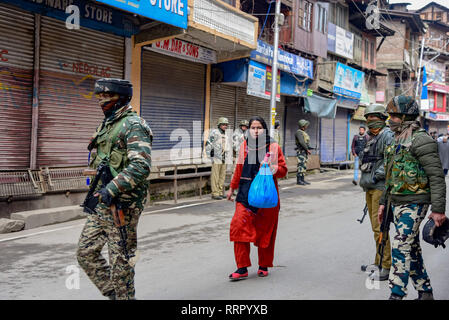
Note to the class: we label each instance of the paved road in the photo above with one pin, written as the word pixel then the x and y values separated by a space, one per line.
pixel 186 253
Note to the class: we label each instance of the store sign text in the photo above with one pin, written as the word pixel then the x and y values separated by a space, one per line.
pixel 185 50
pixel 86 68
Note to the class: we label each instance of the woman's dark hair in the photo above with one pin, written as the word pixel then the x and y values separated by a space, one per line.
pixel 264 125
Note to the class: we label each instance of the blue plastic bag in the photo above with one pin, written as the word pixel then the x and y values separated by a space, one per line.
pixel 263 193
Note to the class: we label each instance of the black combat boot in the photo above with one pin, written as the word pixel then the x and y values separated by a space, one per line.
pixel 395 297
pixel 423 295
pixel 304 180
pixel 300 180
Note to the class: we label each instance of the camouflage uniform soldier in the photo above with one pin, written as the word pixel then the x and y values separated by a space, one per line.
pixel 414 179
pixel 302 151
pixel 373 176
pixel 216 148
pixel 123 141
pixel 239 136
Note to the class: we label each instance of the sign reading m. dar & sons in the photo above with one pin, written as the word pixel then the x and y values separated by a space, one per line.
pixel 173 12
pixel 185 50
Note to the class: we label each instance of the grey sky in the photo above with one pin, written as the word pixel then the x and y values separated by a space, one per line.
pixel 417 4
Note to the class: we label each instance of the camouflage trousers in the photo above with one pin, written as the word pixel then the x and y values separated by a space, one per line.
pixel 406 250
pixel 117 277
pixel 302 162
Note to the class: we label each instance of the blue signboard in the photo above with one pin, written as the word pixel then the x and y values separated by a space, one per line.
pixel 92 15
pixel 287 62
pixel 348 81
pixel 173 12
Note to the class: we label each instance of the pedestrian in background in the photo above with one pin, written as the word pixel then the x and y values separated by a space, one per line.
pixel 357 146
pixel 277 136
pixel 251 224
pixel 238 137
pixel 443 151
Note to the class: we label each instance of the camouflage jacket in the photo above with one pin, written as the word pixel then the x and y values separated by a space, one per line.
pixel 372 160
pixel 302 140
pixel 237 139
pixel 129 156
pixel 217 145
pixel 414 173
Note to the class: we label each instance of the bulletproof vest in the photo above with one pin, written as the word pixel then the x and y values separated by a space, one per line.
pixel 370 156
pixel 360 143
pixel 406 175
pixel 106 138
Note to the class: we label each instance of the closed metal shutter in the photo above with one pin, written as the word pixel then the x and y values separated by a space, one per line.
pixel 250 106
pixel 71 61
pixel 16 87
pixel 341 135
pixel 172 98
pixel 327 140
pixel 223 104
pixel 292 114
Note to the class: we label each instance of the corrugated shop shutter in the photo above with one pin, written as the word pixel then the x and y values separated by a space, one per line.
pixel 172 98
pixel 292 114
pixel 223 104
pixel 249 106
pixel 16 86
pixel 327 140
pixel 341 135
pixel 71 61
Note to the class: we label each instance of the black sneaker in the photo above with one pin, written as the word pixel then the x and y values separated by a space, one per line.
pixel 395 297
pixel 423 295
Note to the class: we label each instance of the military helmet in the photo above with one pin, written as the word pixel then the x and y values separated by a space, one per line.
pixel 376 108
pixel 109 85
pixel 244 123
pixel 405 105
pixel 222 120
pixel 436 235
pixel 303 123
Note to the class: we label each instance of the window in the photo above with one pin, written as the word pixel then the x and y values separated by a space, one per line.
pixel 305 15
pixel 371 58
pixel 439 15
pixel 366 50
pixel 321 18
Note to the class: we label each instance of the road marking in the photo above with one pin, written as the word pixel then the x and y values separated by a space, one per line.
pixel 78 225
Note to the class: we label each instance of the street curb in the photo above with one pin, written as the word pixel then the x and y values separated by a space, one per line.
pixel 42 217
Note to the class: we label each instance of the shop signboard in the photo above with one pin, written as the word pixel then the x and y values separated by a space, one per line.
pixel 348 81
pixel 259 81
pixel 185 50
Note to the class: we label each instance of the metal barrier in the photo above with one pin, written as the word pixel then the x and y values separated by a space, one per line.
pixel 20 183
pixel 63 179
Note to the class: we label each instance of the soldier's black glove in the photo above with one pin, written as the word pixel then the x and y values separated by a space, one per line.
pixel 212 153
pixel 375 180
pixel 104 196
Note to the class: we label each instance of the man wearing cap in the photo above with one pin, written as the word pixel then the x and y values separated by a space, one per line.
pixel 373 177
pixel 217 147
pixel 239 136
pixel 123 143
pixel 414 180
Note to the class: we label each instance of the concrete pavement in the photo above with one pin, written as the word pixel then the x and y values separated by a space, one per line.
pixel 186 253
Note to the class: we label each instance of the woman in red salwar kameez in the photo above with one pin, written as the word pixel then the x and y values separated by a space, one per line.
pixel 251 224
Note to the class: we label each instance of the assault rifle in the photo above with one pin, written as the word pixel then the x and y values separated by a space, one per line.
pixel 384 230
pixel 103 174
pixel 365 211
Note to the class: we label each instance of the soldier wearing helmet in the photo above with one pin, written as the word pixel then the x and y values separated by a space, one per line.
pixel 414 180
pixel 277 133
pixel 239 136
pixel 123 142
pixel 373 177
pixel 302 140
pixel 217 148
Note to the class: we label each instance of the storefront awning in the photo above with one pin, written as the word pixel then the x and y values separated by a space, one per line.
pixel 320 106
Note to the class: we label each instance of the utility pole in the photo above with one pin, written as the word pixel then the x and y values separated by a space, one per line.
pixel 274 70
pixel 419 69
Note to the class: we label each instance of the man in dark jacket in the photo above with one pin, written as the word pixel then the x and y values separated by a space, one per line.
pixel 359 141
pixel 373 176
pixel 414 179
